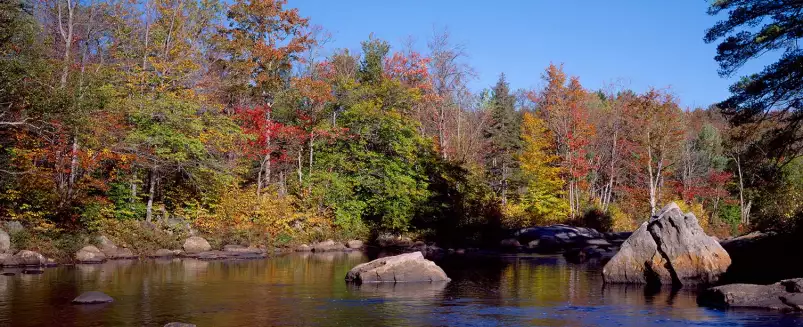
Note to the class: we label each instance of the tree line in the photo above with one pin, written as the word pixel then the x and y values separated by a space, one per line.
pixel 235 117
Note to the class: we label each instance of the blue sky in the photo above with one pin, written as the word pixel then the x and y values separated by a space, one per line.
pixel 638 44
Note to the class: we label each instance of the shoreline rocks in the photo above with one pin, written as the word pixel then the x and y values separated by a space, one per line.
pixel 196 244
pixel 30 258
pixel 327 246
pixel 90 254
pixel 671 248
pixel 784 296
pixel 408 267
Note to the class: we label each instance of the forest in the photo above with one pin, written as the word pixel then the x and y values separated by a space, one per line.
pixel 235 118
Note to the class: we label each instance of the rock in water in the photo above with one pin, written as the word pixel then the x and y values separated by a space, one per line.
pixel 327 246
pixel 408 267
pixel 196 244
pixel 90 254
pixel 92 298
pixel 783 295
pixel 30 258
pixel 354 244
pixel 671 248
pixel 178 324
pixel 162 253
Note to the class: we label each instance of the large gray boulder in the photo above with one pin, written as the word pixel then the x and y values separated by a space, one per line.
pixel 92 298
pixel 5 241
pixel 784 295
pixel 408 267
pixel 196 244
pixel 671 248
pixel 90 254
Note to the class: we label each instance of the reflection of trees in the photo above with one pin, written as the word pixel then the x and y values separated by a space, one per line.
pixel 542 281
pixel 309 289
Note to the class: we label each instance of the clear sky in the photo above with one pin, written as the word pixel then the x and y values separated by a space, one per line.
pixel 637 43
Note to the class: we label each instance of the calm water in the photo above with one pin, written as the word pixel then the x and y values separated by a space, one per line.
pixel 308 290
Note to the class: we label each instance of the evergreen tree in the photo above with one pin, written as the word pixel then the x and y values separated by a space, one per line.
pixel 504 141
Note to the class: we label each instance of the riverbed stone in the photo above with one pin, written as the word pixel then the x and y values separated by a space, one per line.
pixel 328 245
pixel 120 253
pixel 354 244
pixel 390 240
pixel 30 258
pixel 671 248
pixel 92 297
pixel 178 324
pixel 303 248
pixel 162 253
pixel 242 249
pixel 774 296
pixel 408 267
pixel 90 254
pixel 9 260
pixel 5 241
pixel 196 244
pixel 510 243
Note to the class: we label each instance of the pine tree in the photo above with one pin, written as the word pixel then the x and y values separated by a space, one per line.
pixel 504 141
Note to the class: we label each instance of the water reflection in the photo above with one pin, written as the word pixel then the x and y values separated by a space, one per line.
pixel 308 289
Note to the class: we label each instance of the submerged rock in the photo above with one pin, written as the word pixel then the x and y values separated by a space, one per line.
pixel 92 297
pixel 408 267
pixel 178 324
pixel 784 295
pixel 90 254
pixel 196 244
pixel 671 248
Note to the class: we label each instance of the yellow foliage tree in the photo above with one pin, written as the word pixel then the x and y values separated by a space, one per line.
pixel 543 202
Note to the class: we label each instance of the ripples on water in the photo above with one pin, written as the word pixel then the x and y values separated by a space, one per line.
pixel 308 290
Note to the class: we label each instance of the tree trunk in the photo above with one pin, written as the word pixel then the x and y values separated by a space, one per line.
pixel 67 36
pixel 133 187
pixel 309 173
pixel 300 174
pixel 151 192
pixel 744 210
pixel 442 130
pixel 73 168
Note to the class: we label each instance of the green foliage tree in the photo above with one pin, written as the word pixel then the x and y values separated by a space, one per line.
pixel 543 200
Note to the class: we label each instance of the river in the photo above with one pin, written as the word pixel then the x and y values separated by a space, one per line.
pixel 306 289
